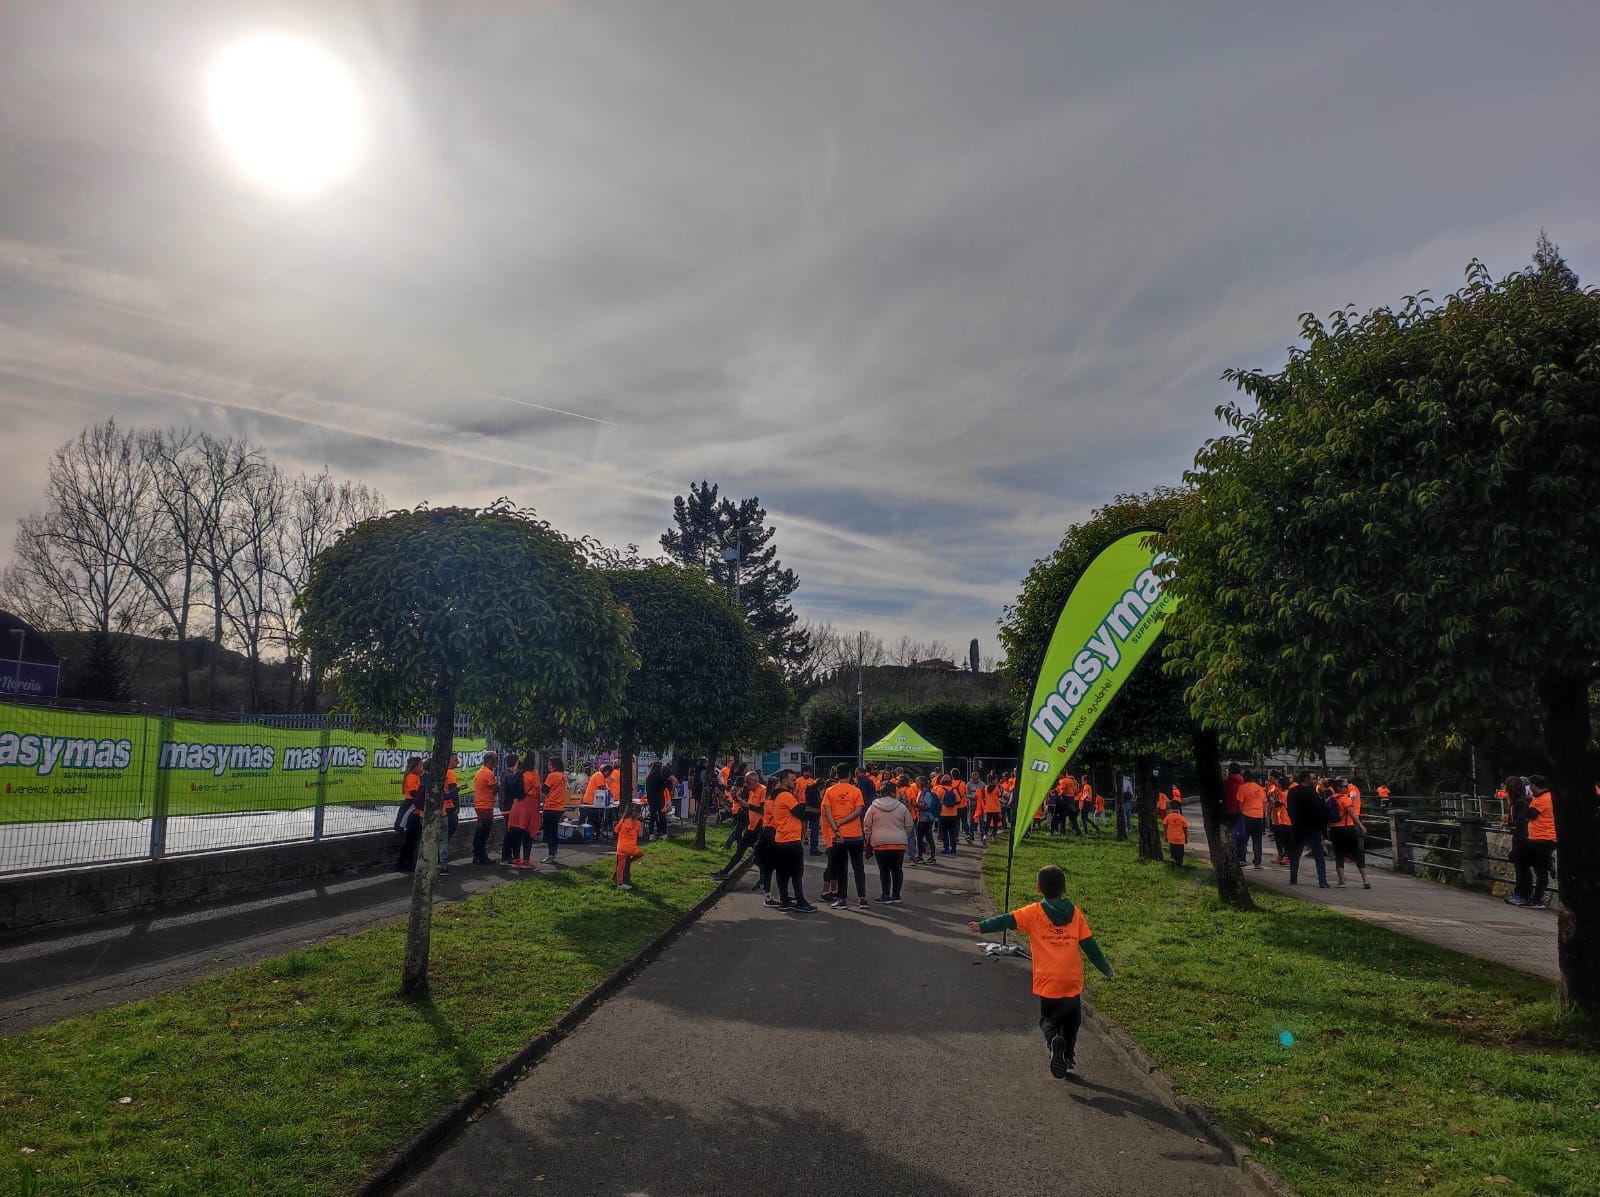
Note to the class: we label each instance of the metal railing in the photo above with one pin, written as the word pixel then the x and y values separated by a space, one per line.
pixel 1455 839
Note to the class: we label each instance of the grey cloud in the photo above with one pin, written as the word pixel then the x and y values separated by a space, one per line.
pixel 931 278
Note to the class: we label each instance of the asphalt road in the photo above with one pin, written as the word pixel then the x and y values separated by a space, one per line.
pixel 840 1053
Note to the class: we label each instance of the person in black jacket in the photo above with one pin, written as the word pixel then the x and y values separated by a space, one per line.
pixel 1308 819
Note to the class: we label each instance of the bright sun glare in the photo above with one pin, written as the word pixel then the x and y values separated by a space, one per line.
pixel 287 110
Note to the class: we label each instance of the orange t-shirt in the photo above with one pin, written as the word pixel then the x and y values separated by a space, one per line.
pixel 786 824
pixel 1542 818
pixel 1355 801
pixel 450 783
pixel 1057 959
pixel 628 836
pixel 947 800
pixel 555 790
pixel 1177 828
pixel 960 788
pixel 1100 803
pixel 1069 786
pixel 840 799
pixel 1161 803
pixel 1346 812
pixel 755 804
pixel 1252 801
pixel 597 781
pixel 1280 810
pixel 411 787
pixel 484 790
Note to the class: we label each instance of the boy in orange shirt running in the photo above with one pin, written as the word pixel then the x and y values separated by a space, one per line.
pixel 628 827
pixel 1059 938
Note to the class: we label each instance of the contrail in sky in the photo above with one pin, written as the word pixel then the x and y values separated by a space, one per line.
pixel 560 411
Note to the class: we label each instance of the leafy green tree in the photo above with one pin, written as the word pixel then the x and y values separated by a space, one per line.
pixel 1149 720
pixel 706 526
pixel 488 613
pixel 1402 527
pixel 697 664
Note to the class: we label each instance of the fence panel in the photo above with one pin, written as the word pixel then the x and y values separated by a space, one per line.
pixel 95 787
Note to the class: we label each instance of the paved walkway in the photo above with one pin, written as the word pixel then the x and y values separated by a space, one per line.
pixel 1462 920
pixel 47 976
pixel 839 1053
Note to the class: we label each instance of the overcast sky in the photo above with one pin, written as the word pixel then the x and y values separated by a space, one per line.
pixel 931 279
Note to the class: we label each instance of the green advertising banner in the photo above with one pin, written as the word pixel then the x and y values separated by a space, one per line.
pixel 58 764
pixel 1112 616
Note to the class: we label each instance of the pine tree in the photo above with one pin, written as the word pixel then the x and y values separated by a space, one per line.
pixel 103 678
pixel 1550 267
pixel 707 526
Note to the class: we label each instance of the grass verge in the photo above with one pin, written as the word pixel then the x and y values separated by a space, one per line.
pixel 299 1075
pixel 1411 1068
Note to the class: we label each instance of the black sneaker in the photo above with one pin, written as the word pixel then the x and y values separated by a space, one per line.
pixel 769 900
pixel 1058 1057
pixel 803 908
pixel 893 901
pixel 861 904
pixel 838 904
pixel 1072 1067
pixel 758 885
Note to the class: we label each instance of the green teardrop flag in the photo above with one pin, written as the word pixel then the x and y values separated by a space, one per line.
pixel 1112 616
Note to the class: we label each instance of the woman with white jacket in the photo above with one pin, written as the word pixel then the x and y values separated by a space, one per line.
pixel 888 827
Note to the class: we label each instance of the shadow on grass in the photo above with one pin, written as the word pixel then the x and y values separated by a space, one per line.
pixel 450 1043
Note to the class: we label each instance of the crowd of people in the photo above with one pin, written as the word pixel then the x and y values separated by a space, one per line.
pixel 900 818
pixel 895 819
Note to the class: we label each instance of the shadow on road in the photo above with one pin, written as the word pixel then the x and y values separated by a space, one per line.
pixel 653 1147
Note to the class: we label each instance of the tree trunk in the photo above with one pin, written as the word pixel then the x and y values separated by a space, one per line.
pixel 182 640
pixel 1149 829
pixel 708 795
pixel 1224 863
pixel 627 749
pixel 216 639
pixel 419 928
pixel 1565 697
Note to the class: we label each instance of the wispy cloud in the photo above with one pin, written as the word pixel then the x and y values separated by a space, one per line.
pixel 930 280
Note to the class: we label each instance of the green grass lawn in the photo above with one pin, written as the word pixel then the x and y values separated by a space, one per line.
pixel 297 1076
pixel 1412 1069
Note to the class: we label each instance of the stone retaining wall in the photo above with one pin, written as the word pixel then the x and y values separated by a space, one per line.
pixel 51 900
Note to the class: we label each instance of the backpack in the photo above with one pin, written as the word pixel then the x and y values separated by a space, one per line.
pixel 1335 811
pixel 510 789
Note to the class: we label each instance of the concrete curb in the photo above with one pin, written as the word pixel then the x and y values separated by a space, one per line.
pixel 1200 1116
pixel 426 1141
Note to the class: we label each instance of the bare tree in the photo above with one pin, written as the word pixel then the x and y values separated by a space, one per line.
pixel 316 510
pixel 68 568
pixel 252 570
pixel 909 652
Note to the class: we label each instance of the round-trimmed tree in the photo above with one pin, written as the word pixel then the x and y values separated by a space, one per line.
pixel 1149 719
pixel 695 654
pixel 485 612
pixel 1401 535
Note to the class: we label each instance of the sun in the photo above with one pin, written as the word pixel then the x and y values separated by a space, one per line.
pixel 287 110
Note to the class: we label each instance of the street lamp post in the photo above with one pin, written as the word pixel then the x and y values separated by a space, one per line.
pixel 859 749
